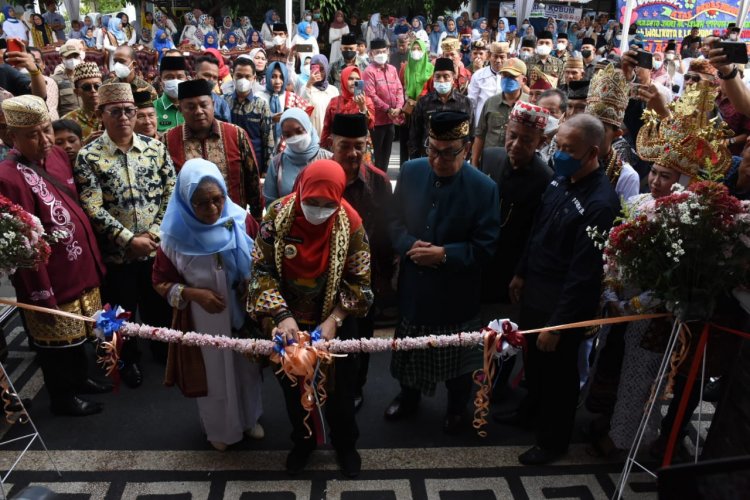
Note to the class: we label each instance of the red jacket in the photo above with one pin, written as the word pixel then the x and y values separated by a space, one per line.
pixel 384 87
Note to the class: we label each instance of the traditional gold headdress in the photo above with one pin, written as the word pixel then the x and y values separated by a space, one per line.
pixel 608 96
pixel 688 141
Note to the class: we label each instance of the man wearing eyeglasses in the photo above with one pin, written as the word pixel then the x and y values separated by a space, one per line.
pixel 444 225
pixel 86 82
pixel 125 180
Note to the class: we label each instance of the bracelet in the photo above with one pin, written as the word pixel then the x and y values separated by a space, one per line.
pixel 37 71
pixel 445 257
pixel 282 316
pixel 730 75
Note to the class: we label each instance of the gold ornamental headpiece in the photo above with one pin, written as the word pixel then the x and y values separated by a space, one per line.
pixel 608 96
pixel 449 125
pixel 25 111
pixel 688 141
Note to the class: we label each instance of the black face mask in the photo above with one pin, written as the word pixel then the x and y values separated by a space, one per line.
pixel 348 55
pixel 586 54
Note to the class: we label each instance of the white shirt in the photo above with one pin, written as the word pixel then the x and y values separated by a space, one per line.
pixel 320 100
pixel 629 183
pixel 16 30
pixel 483 85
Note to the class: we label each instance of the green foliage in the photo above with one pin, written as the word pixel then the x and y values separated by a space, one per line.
pixel 102 6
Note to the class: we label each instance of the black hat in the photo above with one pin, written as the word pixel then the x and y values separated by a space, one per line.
pixel 449 125
pixel 588 41
pixel 378 43
pixel 172 63
pixel 194 88
pixel 444 64
pixel 544 35
pixel 349 39
pixel 279 27
pixel 143 99
pixel 671 46
pixel 578 89
pixel 563 36
pixel 528 42
pixel 350 125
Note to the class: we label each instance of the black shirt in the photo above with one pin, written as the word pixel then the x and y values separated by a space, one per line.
pixel 420 118
pixel 14 81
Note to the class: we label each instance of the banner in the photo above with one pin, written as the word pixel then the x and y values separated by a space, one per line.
pixel 662 20
pixel 563 13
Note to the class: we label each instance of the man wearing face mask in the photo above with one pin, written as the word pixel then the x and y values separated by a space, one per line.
pixel 349 58
pixel 543 60
pixel 172 71
pixel 87 79
pixel 486 82
pixel 125 71
pixel 445 97
pixel 562 49
pixel 526 52
pixel 71 57
pixel 588 53
pixel 251 112
pixel 558 281
pixel 451 48
pixel 225 144
pixel 490 129
pixel 277 49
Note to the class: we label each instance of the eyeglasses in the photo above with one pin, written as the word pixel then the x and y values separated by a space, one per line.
pixel 118 112
pixel 216 201
pixel 88 87
pixel 445 154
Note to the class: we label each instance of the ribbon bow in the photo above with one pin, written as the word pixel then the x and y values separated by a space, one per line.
pixel 108 322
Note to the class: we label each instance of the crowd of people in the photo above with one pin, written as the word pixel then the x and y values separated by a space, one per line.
pixel 250 197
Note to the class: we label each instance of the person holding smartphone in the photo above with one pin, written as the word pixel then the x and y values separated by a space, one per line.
pixel 353 100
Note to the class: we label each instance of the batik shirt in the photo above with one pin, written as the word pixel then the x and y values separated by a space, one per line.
pixel 88 121
pixel 124 194
pixel 254 115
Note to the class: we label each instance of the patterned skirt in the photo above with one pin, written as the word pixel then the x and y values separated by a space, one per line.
pixel 57 331
pixel 423 368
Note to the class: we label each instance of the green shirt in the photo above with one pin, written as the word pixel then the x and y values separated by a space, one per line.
pixel 167 114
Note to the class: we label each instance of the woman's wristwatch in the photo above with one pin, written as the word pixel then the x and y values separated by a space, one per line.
pixel 338 320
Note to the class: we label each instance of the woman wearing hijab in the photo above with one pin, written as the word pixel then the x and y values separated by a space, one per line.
pixel 337 29
pixel 347 104
pixel 245 30
pixel 416 72
pixel 479 29
pixel 255 41
pixel 302 148
pixel 163 22
pixel 114 38
pixel 146 39
pixel 227 26
pixel 321 281
pixel 435 37
pixel 230 41
pixel 224 73
pixel 162 43
pixel 203 27
pixel 451 30
pixel 503 28
pixel 210 41
pixel 417 27
pixel 42 34
pixel 267 29
pixel 202 269
pixel 147 22
pixel 190 34
pixel 317 90
pixel 131 35
pixel 375 30
pixel 12 27
pixel 304 37
pixel 279 99
pixel 261 61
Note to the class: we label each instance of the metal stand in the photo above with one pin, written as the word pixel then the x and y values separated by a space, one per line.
pixel 18 414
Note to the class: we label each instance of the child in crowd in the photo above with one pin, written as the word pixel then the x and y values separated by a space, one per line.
pixel 69 136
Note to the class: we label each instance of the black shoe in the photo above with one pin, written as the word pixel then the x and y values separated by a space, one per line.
pixel 131 375
pixel 297 459
pixel 453 424
pixel 712 391
pixel 536 455
pixel 75 407
pixel 359 400
pixel 349 461
pixel 91 386
pixel 401 407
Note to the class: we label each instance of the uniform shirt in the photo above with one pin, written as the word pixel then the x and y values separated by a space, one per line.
pixel 561 265
pixel 494 119
pixel 552 66
pixel 254 115
pixel 88 121
pixel 167 114
pixel 124 194
pixel 67 98
pixel 428 105
pixel 484 84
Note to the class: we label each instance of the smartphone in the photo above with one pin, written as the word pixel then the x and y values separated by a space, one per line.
pixel 645 59
pixel 736 52
pixel 15 45
pixel 359 88
pixel 304 47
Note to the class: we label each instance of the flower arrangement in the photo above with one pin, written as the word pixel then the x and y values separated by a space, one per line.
pixel 687 248
pixel 23 241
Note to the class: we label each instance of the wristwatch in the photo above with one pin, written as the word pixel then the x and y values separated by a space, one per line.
pixel 338 320
pixel 730 75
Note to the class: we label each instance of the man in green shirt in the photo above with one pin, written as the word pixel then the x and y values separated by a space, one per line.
pixel 172 71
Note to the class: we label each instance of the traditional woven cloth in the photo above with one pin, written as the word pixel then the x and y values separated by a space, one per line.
pixel 113 93
pixel 25 111
pixel 86 70
pixel 541 81
pixel 608 96
pixel 59 331
pixel 529 115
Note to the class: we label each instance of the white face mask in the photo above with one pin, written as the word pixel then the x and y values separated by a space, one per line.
pixel 562 46
pixel 299 143
pixel 525 25
pixel 443 87
pixel 305 69
pixel 657 64
pixel 670 57
pixel 417 54
pixel 70 64
pixel 733 36
pixel 277 40
pixel 552 124
pixel 381 58
pixel 121 70
pixel 242 85
pixel 308 18
pixel 543 50
pixel 316 215
pixel 170 87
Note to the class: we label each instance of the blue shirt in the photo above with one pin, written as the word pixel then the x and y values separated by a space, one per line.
pixel 221 109
pixel 53 18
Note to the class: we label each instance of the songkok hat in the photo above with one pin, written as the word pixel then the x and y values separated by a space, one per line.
pixel 544 35
pixel 449 125
pixel 450 44
pixel 539 80
pixel 578 89
pixel 466 30
pixel 172 63
pixel 528 42
pixel 688 141
pixel 194 88
pixel 562 36
pixel 670 46
pixel 588 41
pixel 86 70
pixel 529 115
pixel 25 111
pixel 378 43
pixel 68 49
pixel 143 99
pixel 354 125
pixel 499 48
pixel 349 39
pixel 574 63
pixel 608 96
pixel 279 27
pixel 444 64
pixel 113 93
pixel 514 66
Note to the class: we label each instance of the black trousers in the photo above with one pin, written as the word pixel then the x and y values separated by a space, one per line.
pixel 64 370
pixel 339 406
pixel 129 285
pixel 553 383
pixel 403 142
pixel 459 394
pixel 382 142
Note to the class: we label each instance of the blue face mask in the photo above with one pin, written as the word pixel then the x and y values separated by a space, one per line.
pixel 566 165
pixel 509 85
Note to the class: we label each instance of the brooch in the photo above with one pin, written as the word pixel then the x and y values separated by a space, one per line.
pixel 290 251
